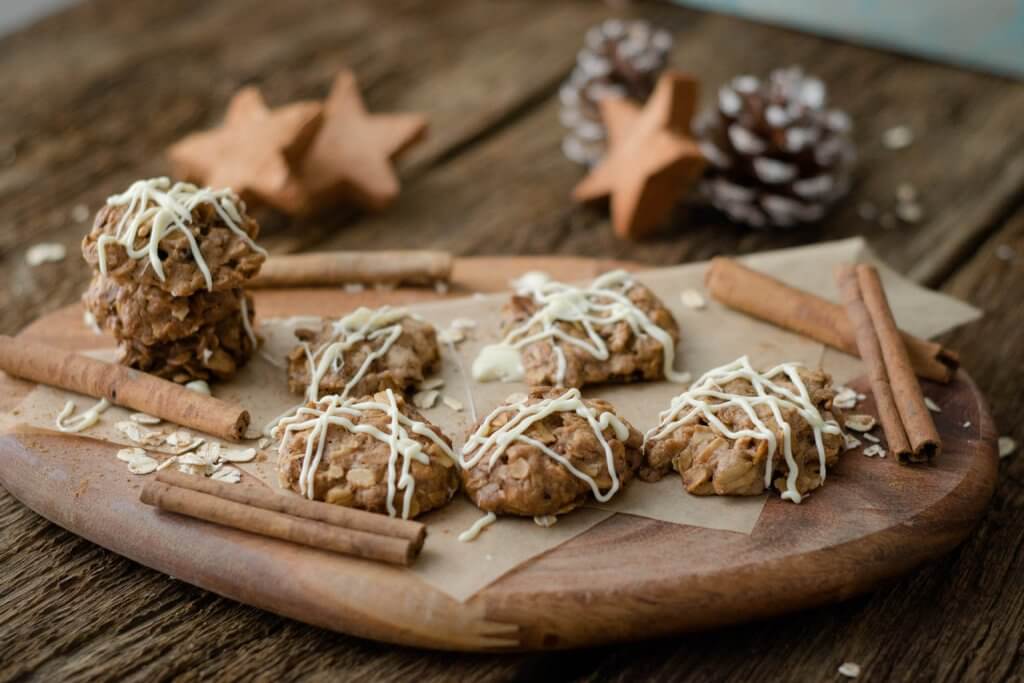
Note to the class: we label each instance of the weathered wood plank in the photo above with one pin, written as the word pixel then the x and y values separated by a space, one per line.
pixel 79 134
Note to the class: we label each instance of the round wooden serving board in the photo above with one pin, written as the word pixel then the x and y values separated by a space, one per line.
pixel 626 578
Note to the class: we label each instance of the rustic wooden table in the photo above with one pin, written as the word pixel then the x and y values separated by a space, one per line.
pixel 93 95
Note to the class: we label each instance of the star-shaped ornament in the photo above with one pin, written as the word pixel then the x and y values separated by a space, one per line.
pixel 255 152
pixel 651 161
pixel 351 157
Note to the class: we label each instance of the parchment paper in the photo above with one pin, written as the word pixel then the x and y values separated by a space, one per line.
pixel 711 336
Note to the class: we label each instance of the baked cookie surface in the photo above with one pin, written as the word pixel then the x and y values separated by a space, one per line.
pixel 739 432
pixel 548 453
pixel 614 330
pixel 340 451
pixel 365 352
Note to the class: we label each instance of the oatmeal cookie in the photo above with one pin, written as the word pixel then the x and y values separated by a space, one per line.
pixel 412 353
pixel 148 315
pixel 524 478
pixel 230 259
pixel 213 352
pixel 353 468
pixel 632 355
pixel 711 462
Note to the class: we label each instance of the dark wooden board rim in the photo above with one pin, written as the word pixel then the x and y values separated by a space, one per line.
pixel 543 605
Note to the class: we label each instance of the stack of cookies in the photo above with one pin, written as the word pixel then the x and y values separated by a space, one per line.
pixel 169 265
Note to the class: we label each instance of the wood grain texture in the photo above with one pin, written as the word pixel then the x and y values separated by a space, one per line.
pixel 73 128
pixel 874 521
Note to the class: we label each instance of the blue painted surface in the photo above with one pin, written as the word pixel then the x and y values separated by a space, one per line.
pixel 985 34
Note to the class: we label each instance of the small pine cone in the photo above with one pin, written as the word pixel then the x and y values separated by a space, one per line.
pixel 619 58
pixel 777 157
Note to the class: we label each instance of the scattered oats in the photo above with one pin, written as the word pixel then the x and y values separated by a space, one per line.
pixel 546 521
pixel 898 137
pixel 179 438
pixel 1004 252
pixel 451 336
pixel 195 470
pixel 168 462
pixel 909 212
pixel 867 211
pixel 517 397
pixel 432 383
pixel 136 434
pixel 129 454
pixel 932 405
pixel 1007 445
pixel 452 403
pixel 849 669
pixel 441 287
pixel 90 321
pixel 845 398
pixel 45 252
pixel 691 298
pixel 425 399
pixel 887 221
pixel 850 442
pixel 464 324
pixel 263 443
pixel 872 451
pixel 138 460
pixel 240 455
pixel 144 419
pixel 859 423
pixel 200 387
pixel 871 437
pixel 354 287
pixel 967 424
pixel 228 475
pixel 80 213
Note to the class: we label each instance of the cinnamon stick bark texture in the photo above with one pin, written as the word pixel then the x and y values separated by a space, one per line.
pixel 335 515
pixel 925 443
pixel 871 353
pixel 334 268
pixel 768 299
pixel 122 386
pixel 278 525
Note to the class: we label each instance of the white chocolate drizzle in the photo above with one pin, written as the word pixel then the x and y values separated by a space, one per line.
pixel 693 405
pixel 247 323
pixel 479 525
pixel 603 302
pixel 363 324
pixel 491 444
pixel 167 208
pixel 78 423
pixel 345 413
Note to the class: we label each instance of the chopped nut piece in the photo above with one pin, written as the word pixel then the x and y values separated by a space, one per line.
pixel 1007 445
pixel 859 423
pixel 932 405
pixel 845 398
pixel 870 437
pixel 144 419
pixel 228 475
pixel 432 383
pixel 691 298
pixel 850 442
pixel 361 477
pixel 872 451
pixel 240 455
pixel 200 387
pixel 45 252
pixel 546 521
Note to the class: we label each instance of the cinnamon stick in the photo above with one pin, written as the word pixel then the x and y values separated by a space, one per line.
pixel 122 386
pixel 278 525
pixel 917 420
pixel 334 268
pixel 768 299
pixel 335 515
pixel 871 353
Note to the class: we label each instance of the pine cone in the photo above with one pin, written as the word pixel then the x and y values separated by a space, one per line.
pixel 777 157
pixel 618 58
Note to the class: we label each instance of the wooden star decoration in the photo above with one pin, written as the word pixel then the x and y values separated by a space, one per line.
pixel 255 152
pixel 351 157
pixel 651 161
